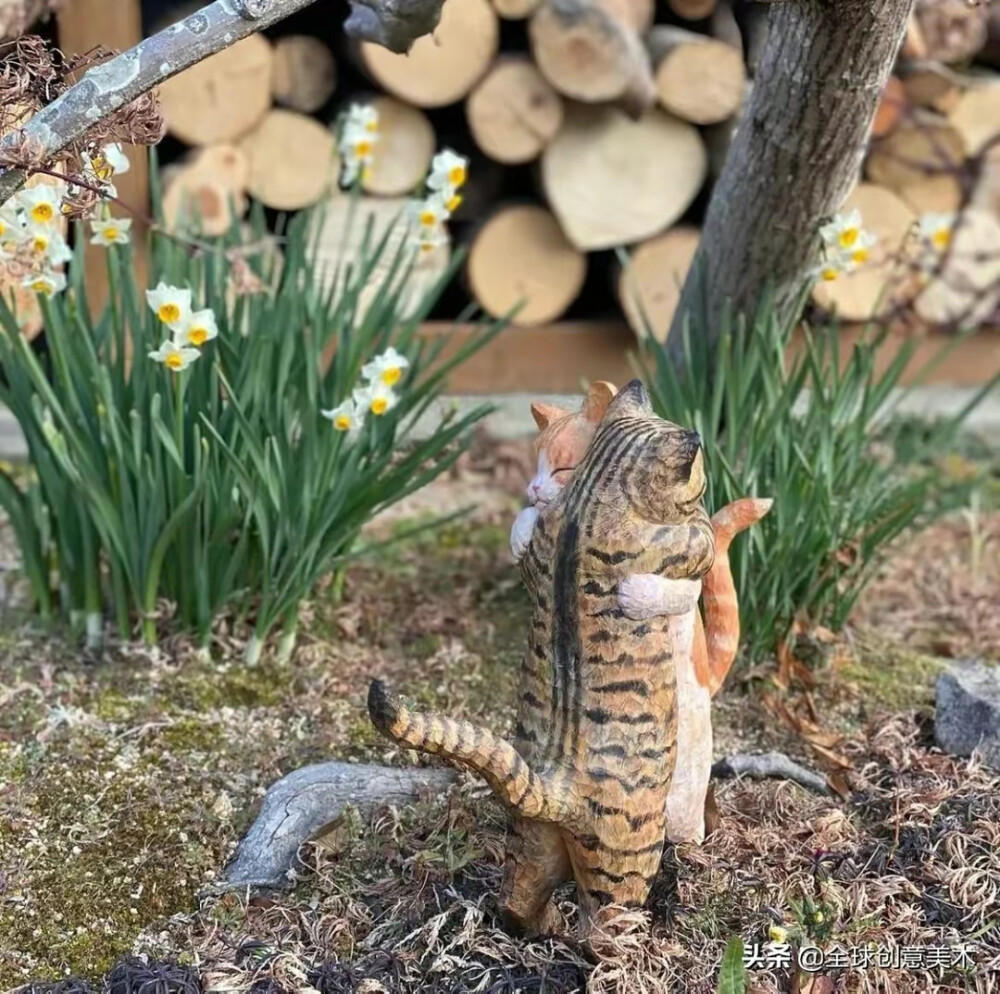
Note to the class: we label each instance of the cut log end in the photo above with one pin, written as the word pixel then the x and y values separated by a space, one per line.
pixel 443 67
pixel 305 73
pixel 923 145
pixel 222 98
pixel 521 257
pixel 697 78
pixel 591 52
pixel 514 113
pixel 208 192
pixel 292 160
pixel 611 181
pixel 404 150
pixel 649 286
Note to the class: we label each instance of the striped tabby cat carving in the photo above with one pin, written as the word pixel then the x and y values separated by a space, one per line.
pixel 595 742
pixel 563 440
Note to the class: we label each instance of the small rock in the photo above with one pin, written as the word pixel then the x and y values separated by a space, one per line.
pixel 968 710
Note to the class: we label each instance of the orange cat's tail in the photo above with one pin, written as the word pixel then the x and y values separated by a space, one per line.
pixel 719 638
pixel 464 744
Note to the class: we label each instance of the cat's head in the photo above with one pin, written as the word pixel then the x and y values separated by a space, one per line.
pixel 666 475
pixel 564 439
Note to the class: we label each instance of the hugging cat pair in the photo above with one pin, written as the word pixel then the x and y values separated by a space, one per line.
pixel 563 440
pixel 612 746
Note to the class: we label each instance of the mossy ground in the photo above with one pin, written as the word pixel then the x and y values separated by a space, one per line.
pixel 126 782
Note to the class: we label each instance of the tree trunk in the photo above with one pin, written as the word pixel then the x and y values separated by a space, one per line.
pixel 795 157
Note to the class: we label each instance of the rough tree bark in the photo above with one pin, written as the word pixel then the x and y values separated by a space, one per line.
pixel 796 154
pixel 104 89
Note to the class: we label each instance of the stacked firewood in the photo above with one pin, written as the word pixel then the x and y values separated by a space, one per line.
pixel 593 125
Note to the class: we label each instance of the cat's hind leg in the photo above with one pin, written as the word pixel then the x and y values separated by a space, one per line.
pixel 537 862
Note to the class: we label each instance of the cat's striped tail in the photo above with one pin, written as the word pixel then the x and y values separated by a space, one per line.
pixel 465 744
pixel 718 592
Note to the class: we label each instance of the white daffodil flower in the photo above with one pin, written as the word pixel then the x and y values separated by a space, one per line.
pixel 45 283
pixel 428 241
pixel 860 251
pixel 50 245
pixel 171 304
pixel 386 368
pixel 116 159
pixel 376 398
pixel 937 229
pixel 41 205
pixel 199 328
pixel 431 213
pixel 113 231
pixel 174 357
pixel 346 417
pixel 842 231
pixel 362 117
pixel 833 266
pixel 448 172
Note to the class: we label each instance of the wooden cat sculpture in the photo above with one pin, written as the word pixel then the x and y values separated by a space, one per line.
pixel 595 741
pixel 561 444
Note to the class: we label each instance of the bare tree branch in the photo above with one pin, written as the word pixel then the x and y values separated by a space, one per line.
pixel 306 803
pixel 106 88
pixel 769 764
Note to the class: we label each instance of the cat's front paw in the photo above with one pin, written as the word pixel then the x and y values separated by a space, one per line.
pixel 520 534
pixel 647 595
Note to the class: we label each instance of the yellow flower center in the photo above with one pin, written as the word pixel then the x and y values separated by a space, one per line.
pixel 829 274
pixel 40 243
pixel 777 933
pixel 456 175
pixel 3 229
pixel 390 376
pixel 103 171
pixel 860 255
pixel 848 237
pixel 371 127
pixel 42 213
pixel 342 422
pixel 426 246
pixel 362 148
pixel 41 286
pixel 174 360
pixel 169 313
pixel 941 238
pixel 111 234
pixel 380 405
pixel 454 202
pixel 198 336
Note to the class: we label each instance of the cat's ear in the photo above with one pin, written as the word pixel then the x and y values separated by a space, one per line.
pixel 631 401
pixel 544 414
pixel 599 396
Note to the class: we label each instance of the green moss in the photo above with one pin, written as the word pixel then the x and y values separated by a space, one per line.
pixel 892 677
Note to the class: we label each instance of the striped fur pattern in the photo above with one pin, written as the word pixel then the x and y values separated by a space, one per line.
pixel 595 741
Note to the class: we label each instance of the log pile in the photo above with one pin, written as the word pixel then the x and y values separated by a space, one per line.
pixel 591 126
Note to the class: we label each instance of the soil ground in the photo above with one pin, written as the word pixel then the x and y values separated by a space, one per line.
pixel 126 782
